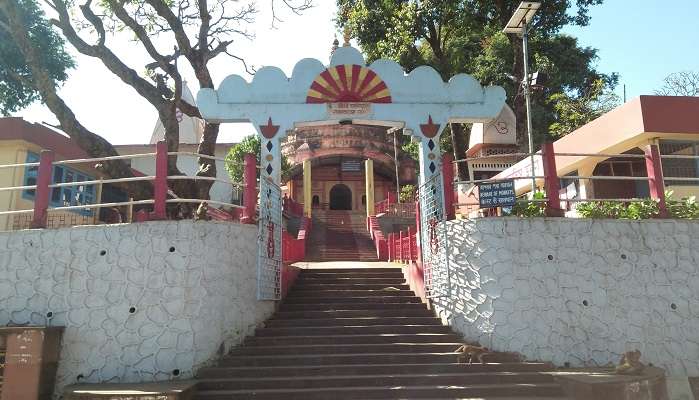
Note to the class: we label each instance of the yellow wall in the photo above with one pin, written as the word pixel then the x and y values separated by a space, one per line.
pixel 15 152
pixel 680 192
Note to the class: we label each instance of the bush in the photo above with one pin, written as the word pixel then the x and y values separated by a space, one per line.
pixel 619 210
pixel 525 208
pixel 407 193
pixel 686 208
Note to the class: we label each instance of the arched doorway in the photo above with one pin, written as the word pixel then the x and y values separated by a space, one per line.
pixel 340 197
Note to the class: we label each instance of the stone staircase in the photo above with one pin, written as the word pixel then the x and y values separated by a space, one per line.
pixel 339 236
pixel 362 334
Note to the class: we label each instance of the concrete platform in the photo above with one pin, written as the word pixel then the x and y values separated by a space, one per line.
pixel 171 390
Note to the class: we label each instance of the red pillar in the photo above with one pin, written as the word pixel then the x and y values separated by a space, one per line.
pixel 249 188
pixel 656 181
pixel 43 192
pixel 552 184
pixel 410 245
pixel 448 176
pixel 160 183
pixel 390 247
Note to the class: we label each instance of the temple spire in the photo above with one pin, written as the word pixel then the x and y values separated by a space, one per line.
pixel 336 44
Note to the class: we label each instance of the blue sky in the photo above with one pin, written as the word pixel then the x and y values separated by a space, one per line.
pixel 643 40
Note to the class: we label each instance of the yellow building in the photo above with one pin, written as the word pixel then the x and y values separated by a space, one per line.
pixel 22 142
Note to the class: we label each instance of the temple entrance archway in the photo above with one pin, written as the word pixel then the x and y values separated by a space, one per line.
pixel 348 91
pixel 340 197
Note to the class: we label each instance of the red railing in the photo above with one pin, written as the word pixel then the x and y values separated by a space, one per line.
pixel 162 195
pixel 379 239
pixel 294 248
pixel 402 246
pixel 555 203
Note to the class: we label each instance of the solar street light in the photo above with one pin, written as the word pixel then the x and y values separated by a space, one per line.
pixel 519 23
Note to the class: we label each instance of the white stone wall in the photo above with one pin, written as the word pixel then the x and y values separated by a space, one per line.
pixel 138 301
pixel 577 291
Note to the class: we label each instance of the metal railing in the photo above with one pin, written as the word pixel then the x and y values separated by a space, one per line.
pixel 556 202
pixel 41 191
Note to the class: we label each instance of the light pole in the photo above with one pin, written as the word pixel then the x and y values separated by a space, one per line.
pixel 519 23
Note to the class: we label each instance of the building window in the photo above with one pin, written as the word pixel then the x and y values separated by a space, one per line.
pixel 30 174
pixel 316 201
pixel 66 195
pixel 680 167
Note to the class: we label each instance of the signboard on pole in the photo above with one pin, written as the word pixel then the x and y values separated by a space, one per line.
pixel 497 194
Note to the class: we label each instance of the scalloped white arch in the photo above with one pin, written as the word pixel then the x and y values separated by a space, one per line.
pixel 421 102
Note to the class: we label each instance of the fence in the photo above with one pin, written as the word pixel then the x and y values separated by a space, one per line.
pixel 42 189
pixel 557 200
pixel 402 246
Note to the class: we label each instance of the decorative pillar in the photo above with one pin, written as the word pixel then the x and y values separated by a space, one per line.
pixel 369 171
pixel 270 153
pixel 307 189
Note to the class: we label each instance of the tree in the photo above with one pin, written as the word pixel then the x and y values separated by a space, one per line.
pixel 236 157
pixel 574 112
pixel 466 36
pixel 212 27
pixel 32 64
pixel 684 83
pixel 15 75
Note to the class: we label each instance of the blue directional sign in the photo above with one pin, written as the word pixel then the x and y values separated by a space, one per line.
pixel 497 194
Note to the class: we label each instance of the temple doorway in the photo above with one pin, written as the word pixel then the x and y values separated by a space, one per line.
pixel 340 197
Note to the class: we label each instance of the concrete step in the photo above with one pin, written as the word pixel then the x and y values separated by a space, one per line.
pixel 352 300
pixel 346 330
pixel 369 369
pixel 325 381
pixel 349 274
pixel 389 392
pixel 411 305
pixel 348 293
pixel 333 359
pixel 343 348
pixel 356 281
pixel 360 321
pixel 305 286
pixel 352 339
pixel 400 312
pixel 330 271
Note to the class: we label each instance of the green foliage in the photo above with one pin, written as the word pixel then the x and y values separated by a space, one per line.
pixel 236 157
pixel 574 112
pixel 526 209
pixel 466 36
pixel 618 210
pixel 407 193
pixel 17 88
pixel 685 208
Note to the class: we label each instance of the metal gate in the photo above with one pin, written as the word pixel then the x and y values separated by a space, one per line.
pixel 433 238
pixel 269 242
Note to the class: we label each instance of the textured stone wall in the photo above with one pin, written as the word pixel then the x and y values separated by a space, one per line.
pixel 140 302
pixel 577 291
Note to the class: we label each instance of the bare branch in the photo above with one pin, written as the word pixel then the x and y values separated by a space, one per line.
pixel 250 71
pixel 683 83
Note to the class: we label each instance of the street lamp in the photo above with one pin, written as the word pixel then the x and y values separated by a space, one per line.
pixel 519 23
